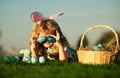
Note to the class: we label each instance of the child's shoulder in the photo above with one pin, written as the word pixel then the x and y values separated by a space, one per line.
pixel 72 53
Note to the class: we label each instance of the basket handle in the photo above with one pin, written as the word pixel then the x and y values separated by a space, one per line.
pixel 100 26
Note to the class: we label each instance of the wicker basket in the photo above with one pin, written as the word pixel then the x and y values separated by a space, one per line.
pixel 98 56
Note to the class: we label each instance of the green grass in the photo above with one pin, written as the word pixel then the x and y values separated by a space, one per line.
pixel 57 69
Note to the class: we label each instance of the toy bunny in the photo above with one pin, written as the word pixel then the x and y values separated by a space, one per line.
pixel 26 53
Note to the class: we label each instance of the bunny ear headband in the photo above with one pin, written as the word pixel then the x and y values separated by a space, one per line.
pixel 37 17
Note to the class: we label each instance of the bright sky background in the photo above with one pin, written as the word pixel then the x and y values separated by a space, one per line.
pixel 16 25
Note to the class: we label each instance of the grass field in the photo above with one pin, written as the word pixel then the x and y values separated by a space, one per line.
pixel 57 69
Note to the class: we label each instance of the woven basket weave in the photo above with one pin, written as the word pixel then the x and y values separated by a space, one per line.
pixel 97 57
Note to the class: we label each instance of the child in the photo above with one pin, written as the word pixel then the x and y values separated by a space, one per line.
pixel 48 40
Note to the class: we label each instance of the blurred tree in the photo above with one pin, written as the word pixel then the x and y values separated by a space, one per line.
pixel 1 47
pixel 108 36
pixel 0 33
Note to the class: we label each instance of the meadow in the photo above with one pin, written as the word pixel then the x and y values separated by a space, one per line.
pixel 57 69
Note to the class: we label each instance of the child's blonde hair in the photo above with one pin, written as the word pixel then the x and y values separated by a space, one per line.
pixel 46 25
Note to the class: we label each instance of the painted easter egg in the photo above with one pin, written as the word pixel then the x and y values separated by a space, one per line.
pixel 6 58
pixel 95 47
pixel 50 50
pixel 20 58
pixel 100 45
pixel 34 60
pixel 41 39
pixel 51 39
pixel 16 58
pixel 42 59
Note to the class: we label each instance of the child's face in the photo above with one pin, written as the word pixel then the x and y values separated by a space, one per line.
pixel 47 43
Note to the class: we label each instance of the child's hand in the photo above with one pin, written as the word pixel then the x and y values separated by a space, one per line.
pixel 57 37
pixel 58 42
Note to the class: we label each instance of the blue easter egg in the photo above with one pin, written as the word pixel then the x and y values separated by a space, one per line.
pixel 6 58
pixel 100 45
pixel 95 47
pixel 20 58
pixel 34 60
pixel 41 39
pixel 42 59
pixel 16 58
pixel 51 39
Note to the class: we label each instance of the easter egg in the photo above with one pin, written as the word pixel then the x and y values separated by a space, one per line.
pixel 100 45
pixel 95 47
pixel 20 58
pixel 6 58
pixel 42 59
pixel 51 39
pixel 50 50
pixel 34 60
pixel 41 39
pixel 16 58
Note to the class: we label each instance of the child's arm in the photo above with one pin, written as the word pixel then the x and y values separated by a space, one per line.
pixel 33 42
pixel 62 53
pixel 32 47
pixel 34 58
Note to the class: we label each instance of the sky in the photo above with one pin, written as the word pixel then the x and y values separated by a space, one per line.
pixel 16 25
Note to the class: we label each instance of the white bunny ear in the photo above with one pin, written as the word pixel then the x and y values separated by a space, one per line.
pixel 56 15
pixel 21 51
pixel 36 17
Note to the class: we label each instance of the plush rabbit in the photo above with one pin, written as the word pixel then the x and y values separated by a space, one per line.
pixel 26 53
